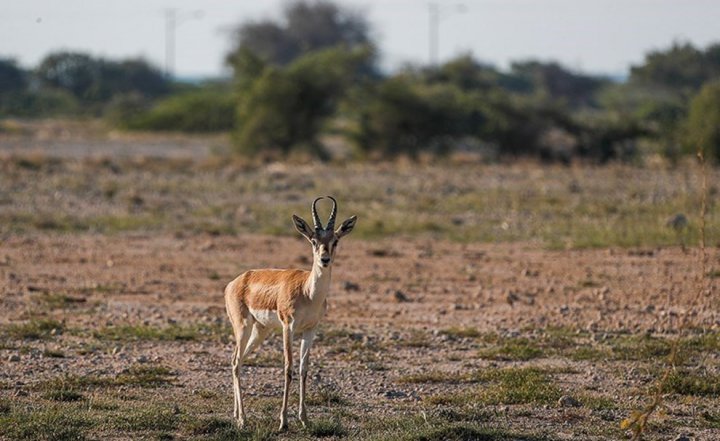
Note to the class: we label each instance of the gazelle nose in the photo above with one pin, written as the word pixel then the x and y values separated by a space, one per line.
pixel 325 260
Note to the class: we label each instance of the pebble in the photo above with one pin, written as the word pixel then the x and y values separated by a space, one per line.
pixel 568 401
pixel 350 286
pixel 400 296
pixel 142 359
pixel 14 357
pixel 682 438
pixel 394 394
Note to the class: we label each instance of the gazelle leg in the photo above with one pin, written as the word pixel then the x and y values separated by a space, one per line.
pixel 259 332
pixel 242 335
pixel 287 349
pixel 305 345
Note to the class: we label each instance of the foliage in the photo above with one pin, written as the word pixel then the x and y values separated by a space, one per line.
pixel 12 78
pixel 96 79
pixel 305 27
pixel 404 116
pixel 284 108
pixel 703 122
pixel 207 109
pixel 559 83
pixel 682 67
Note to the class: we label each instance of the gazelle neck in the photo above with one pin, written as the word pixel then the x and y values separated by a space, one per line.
pixel 319 281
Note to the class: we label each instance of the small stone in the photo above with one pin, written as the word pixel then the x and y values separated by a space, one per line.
pixel 14 358
pixel 682 438
pixel 568 401
pixel 142 359
pixel 350 286
pixel 395 394
pixel 116 350
pixel 400 297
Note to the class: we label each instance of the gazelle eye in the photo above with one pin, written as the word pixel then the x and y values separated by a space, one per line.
pixel 313 242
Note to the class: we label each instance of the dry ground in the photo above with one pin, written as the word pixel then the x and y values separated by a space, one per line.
pixel 470 300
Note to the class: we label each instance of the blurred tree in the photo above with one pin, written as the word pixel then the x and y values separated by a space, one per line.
pixel 703 122
pixel 97 80
pixel 306 27
pixel 404 116
pixel 282 109
pixel 558 82
pixel 683 68
pixel 12 78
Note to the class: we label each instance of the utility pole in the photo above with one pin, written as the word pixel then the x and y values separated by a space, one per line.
pixel 435 15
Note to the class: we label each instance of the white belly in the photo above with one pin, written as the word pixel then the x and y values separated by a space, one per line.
pixel 266 317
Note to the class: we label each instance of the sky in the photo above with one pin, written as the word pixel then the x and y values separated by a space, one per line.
pixel 592 36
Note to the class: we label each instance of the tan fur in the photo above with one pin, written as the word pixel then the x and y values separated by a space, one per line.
pixel 273 290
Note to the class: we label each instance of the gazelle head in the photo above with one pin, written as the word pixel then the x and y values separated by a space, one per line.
pixel 324 240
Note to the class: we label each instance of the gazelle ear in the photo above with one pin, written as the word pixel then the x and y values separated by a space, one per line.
pixel 302 227
pixel 346 227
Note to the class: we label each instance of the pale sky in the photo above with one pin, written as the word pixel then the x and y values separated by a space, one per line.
pixel 595 36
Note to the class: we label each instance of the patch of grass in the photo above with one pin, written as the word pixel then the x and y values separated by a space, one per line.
pixel 517 349
pixel 34 329
pixel 596 402
pixel 51 424
pixel 144 417
pixel 60 301
pixel 688 383
pixel 465 432
pixel 639 347
pixel 506 386
pixel 584 353
pixel 520 386
pixel 456 332
pixel 135 376
pixel 327 427
pixel 62 394
pixel 416 339
pixel 167 333
pixel 53 353
pixel 435 377
pixel 326 396
pixel 711 420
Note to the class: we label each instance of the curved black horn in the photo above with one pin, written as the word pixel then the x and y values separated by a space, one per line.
pixel 316 218
pixel 333 213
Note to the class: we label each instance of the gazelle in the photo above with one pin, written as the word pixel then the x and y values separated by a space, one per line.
pixel 260 300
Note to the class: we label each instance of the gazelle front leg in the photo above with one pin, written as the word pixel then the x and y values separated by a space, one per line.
pixel 287 349
pixel 305 345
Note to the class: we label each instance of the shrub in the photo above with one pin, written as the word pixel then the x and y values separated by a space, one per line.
pixel 204 110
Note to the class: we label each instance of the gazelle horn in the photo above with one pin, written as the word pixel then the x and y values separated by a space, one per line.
pixel 316 218
pixel 333 213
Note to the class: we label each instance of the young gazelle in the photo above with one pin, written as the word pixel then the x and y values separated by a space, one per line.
pixel 260 300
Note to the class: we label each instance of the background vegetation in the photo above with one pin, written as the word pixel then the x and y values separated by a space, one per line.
pixel 314 72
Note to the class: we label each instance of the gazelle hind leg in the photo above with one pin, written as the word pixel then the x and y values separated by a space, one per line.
pixel 242 335
pixel 259 333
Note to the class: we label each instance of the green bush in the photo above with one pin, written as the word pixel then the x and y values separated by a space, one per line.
pixel 405 116
pixel 203 110
pixel 283 109
pixel 703 122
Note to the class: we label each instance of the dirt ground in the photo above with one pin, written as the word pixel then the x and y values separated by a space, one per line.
pixel 420 336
